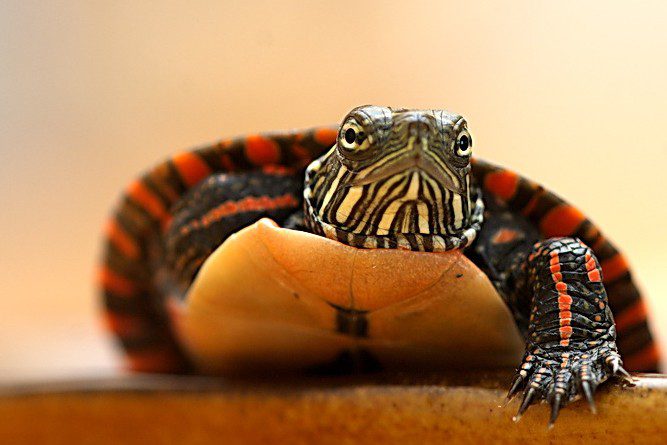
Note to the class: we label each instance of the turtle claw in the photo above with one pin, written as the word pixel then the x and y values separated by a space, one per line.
pixel 588 393
pixel 618 370
pixel 625 374
pixel 555 409
pixel 561 377
pixel 514 389
pixel 527 400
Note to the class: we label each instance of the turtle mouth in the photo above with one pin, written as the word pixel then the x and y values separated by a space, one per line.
pixel 416 159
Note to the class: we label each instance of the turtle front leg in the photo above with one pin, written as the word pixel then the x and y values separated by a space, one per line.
pixel 571 336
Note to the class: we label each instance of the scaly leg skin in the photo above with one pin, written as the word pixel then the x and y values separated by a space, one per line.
pixel 571 336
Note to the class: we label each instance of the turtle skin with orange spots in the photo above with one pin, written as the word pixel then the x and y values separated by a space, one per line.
pixel 569 289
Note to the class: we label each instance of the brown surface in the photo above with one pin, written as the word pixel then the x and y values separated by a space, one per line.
pixel 396 409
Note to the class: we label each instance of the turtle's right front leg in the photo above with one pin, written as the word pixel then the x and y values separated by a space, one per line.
pixel 571 336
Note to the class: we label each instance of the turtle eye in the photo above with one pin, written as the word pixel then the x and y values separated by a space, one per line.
pixel 463 144
pixel 353 141
pixel 350 136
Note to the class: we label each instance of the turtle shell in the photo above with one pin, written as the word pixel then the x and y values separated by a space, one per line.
pixel 460 325
pixel 284 299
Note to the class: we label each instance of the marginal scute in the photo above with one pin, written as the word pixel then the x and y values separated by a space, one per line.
pixel 267 297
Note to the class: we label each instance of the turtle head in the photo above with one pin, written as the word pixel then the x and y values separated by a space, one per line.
pixel 396 178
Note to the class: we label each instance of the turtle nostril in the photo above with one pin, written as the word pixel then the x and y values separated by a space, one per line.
pixel 418 128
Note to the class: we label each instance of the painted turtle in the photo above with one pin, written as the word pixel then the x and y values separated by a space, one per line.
pixel 386 244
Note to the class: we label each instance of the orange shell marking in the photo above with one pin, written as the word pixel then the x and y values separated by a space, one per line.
pixel 191 168
pixel 326 136
pixel 147 200
pixel 614 268
pixel 152 361
pixel 502 184
pixel 644 359
pixel 115 283
pixel 123 324
pixel 561 221
pixel 122 240
pixel 631 316
pixel 261 151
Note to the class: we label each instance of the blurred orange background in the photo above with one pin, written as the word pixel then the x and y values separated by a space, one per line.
pixel 572 94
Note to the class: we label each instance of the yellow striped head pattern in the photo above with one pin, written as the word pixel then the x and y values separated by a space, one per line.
pixel 396 178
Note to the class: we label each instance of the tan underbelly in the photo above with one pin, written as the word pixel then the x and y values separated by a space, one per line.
pixel 281 299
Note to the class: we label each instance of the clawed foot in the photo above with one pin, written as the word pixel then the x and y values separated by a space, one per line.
pixel 560 377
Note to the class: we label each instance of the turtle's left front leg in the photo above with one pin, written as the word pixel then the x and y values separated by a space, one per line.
pixel 570 336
